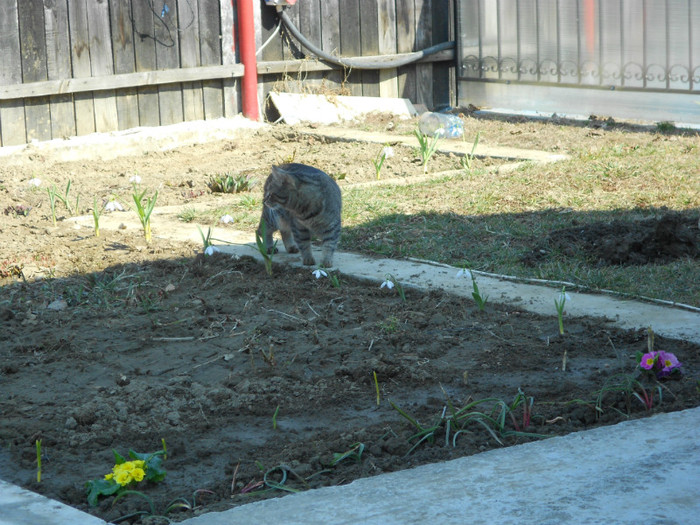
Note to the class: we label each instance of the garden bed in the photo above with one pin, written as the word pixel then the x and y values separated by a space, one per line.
pixel 265 384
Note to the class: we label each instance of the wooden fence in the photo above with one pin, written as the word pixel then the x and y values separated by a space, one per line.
pixel 73 67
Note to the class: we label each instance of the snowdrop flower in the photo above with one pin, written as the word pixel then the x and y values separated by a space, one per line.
pixel 318 273
pixel 388 152
pixel 388 283
pixel 113 206
pixel 464 273
pixel 34 182
pixel 563 298
pixel 211 250
pixel 227 219
pixel 135 179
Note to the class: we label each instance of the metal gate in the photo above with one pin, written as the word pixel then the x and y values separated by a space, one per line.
pixel 635 59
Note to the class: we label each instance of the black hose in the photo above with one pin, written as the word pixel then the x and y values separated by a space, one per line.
pixel 371 62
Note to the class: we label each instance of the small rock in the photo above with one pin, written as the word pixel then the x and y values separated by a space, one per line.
pixel 71 423
pixel 57 305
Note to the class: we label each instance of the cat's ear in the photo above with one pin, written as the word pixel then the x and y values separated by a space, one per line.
pixel 280 175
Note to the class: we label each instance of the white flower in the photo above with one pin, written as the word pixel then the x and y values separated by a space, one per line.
pixel 34 182
pixel 389 284
pixel 113 206
pixel 135 179
pixel 388 152
pixel 464 273
pixel 227 219
pixel 318 273
pixel 211 250
pixel 563 297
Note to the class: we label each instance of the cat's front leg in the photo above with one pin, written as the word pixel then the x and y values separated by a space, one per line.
pixel 288 240
pixel 302 236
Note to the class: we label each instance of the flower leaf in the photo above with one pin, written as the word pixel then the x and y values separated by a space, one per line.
pixel 100 487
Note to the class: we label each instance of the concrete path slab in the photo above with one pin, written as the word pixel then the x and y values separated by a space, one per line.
pixel 22 507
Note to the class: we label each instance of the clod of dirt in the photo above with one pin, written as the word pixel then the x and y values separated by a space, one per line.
pixel 650 241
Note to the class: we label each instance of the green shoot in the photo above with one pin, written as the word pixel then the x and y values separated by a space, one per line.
pixel 263 248
pixel 355 452
pixel 376 386
pixel 559 304
pixel 206 239
pixel 165 450
pixel 144 212
pixel 38 461
pixel 52 203
pixel 478 298
pixel 65 199
pixel 391 282
pixel 274 418
pixel 426 148
pixel 96 213
pixel 468 159
pixel 227 183
pixel 378 161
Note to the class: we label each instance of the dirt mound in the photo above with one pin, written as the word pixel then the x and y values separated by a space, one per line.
pixel 649 241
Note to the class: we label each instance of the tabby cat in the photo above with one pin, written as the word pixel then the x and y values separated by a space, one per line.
pixel 299 201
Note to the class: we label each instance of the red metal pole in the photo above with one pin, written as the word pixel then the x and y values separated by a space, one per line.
pixel 246 44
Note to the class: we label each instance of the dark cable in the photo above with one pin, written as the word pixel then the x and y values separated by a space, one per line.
pixel 371 62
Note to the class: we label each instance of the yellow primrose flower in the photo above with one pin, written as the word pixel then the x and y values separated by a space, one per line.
pixel 123 477
pixel 138 474
pixel 109 476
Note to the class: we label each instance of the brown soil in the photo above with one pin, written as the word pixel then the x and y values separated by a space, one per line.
pixel 112 343
pixel 649 241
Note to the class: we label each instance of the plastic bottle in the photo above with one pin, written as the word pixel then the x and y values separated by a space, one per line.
pixel 441 124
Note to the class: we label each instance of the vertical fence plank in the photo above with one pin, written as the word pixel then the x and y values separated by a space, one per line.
pixel 350 41
pixel 424 38
pixel 80 59
pixel 405 43
pixel 369 33
pixel 210 43
pixel 330 39
pixel 188 17
pixel 443 77
pixel 386 20
pixel 168 57
pixel 58 67
pixel 124 62
pixel 34 69
pixel 102 64
pixel 13 129
pixel 228 56
pixel 310 26
pixel 145 55
pixel 272 50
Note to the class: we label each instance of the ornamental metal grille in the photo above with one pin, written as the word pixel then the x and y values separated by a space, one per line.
pixel 630 45
pixel 637 44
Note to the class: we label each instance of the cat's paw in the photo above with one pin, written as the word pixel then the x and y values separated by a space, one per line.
pixel 309 261
pixel 293 249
